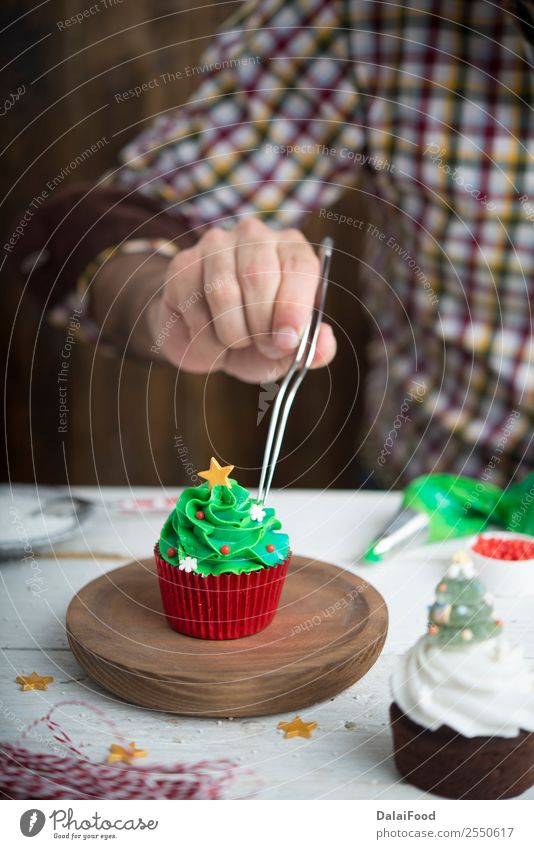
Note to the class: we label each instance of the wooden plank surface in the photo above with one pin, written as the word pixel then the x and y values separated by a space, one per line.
pixel 348 756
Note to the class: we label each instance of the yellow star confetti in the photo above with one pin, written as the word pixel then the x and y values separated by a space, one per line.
pixel 34 682
pixel 297 728
pixel 460 556
pixel 124 754
pixel 217 475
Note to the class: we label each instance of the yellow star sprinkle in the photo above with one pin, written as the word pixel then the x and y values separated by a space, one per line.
pixel 217 475
pixel 33 682
pixel 297 728
pixel 122 754
pixel 460 556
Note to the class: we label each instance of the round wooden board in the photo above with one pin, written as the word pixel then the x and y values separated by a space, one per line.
pixel 328 632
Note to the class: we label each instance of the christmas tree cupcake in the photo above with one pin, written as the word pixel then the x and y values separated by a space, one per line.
pixel 221 560
pixel 463 710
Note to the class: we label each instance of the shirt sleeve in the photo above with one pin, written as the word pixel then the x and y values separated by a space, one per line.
pixel 272 130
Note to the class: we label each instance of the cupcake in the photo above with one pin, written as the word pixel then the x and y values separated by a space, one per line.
pixel 463 699
pixel 221 560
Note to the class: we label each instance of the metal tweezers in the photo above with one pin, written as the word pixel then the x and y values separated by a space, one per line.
pixel 294 377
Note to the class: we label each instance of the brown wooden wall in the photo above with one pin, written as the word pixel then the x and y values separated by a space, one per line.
pixel 127 420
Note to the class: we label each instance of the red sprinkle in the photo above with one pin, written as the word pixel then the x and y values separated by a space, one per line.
pixel 504 549
pixel 171 552
pixel 270 548
pixel 200 515
pixel 225 549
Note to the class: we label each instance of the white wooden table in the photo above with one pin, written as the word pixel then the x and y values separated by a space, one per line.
pixel 349 755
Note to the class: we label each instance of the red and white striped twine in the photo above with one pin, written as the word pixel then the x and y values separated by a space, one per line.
pixel 28 775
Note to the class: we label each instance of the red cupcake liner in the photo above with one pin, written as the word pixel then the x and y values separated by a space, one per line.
pixel 220 607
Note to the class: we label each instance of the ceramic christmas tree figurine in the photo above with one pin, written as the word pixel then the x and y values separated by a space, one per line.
pixel 463 610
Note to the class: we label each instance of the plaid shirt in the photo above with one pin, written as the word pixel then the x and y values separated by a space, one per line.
pixel 423 110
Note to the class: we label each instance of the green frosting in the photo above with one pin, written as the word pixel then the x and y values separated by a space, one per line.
pixel 227 521
pixel 463 611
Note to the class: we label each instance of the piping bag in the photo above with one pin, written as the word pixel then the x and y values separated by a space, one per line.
pixel 438 507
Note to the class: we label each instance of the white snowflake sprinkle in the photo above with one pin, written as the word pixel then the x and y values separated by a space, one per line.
pixel 188 564
pixel 257 513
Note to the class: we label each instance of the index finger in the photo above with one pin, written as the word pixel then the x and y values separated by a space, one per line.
pixel 299 266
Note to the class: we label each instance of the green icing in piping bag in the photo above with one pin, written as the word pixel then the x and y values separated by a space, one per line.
pixel 446 506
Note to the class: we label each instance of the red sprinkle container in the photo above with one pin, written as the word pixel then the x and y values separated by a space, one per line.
pixel 505 562
pixel 220 607
pixel 504 548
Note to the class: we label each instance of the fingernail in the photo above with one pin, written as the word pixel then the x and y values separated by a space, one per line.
pixel 286 338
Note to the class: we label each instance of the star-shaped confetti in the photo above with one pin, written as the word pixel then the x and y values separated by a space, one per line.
pixel 34 681
pixel 297 728
pixel 257 513
pixel 188 564
pixel 217 475
pixel 462 567
pixel 124 754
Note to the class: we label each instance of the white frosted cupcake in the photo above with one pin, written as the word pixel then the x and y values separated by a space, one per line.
pixel 463 699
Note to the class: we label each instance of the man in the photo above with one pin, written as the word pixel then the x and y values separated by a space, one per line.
pixel 422 111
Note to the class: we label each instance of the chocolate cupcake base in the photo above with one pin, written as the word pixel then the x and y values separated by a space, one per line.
pixel 456 767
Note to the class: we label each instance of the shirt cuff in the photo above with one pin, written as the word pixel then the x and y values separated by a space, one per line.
pixel 74 309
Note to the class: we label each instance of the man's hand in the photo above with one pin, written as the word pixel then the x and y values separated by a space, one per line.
pixel 238 302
